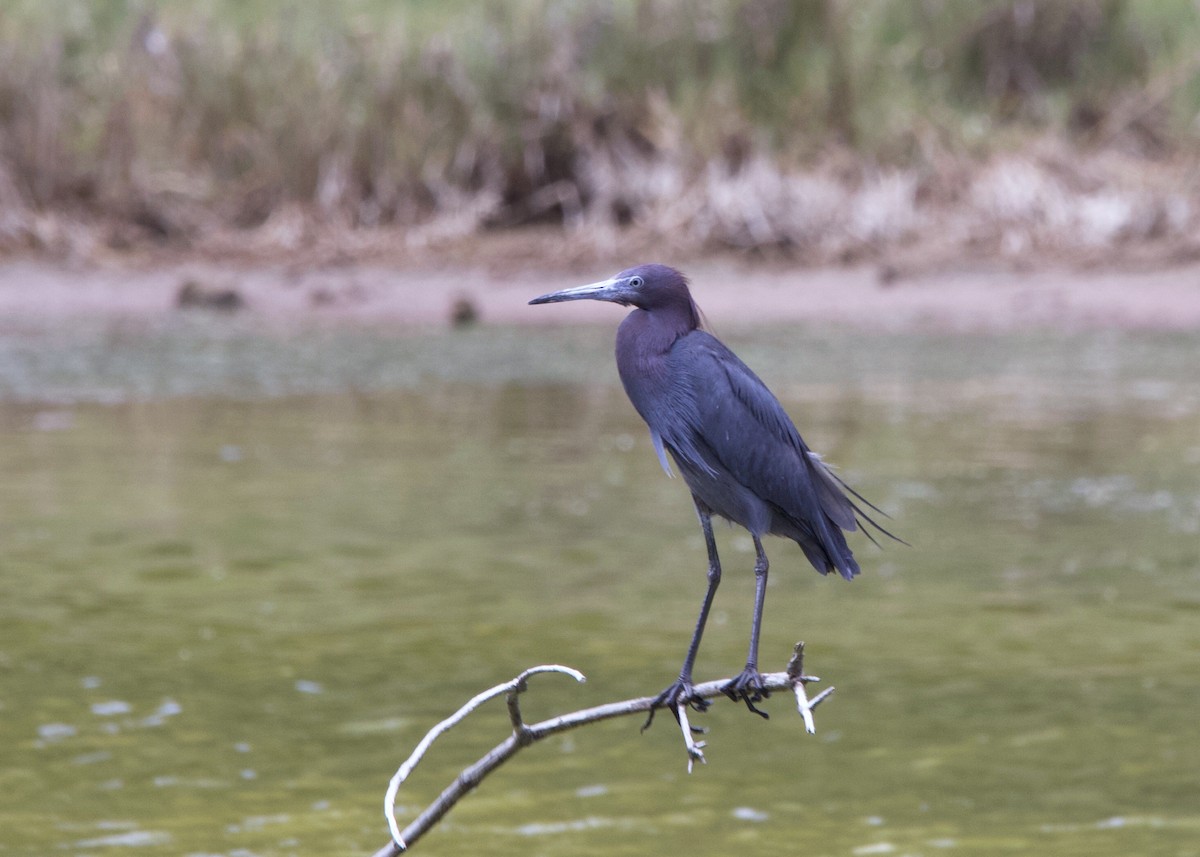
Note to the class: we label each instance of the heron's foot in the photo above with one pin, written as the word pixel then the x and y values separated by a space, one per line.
pixel 749 688
pixel 678 694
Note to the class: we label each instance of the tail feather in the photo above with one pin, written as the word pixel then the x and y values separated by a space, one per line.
pixel 823 541
pixel 842 510
pixel 825 560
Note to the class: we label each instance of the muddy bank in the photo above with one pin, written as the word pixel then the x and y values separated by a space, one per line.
pixel 733 294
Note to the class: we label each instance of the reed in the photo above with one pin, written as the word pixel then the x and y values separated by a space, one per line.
pixel 180 119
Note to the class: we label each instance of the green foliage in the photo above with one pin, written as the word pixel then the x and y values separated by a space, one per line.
pixel 383 112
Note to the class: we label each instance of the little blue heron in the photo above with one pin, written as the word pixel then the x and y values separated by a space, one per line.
pixel 736 447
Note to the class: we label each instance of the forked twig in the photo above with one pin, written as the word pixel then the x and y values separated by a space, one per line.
pixel 520 737
pixel 525 734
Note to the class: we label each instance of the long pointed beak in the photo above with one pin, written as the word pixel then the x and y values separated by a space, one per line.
pixel 614 290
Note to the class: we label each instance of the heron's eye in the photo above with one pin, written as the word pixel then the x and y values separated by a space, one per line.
pixel 635 282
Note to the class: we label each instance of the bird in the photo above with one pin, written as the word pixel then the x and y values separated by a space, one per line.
pixel 735 446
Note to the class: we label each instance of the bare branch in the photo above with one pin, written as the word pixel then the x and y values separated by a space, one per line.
pixel 523 735
pixel 512 688
pixel 795 669
pixel 695 749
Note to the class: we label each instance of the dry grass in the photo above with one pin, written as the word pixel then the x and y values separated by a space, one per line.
pixel 820 128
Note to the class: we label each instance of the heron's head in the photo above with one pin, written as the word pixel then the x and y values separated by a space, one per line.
pixel 647 287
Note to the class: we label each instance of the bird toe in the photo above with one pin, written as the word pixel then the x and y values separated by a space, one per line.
pixel 677 694
pixel 749 688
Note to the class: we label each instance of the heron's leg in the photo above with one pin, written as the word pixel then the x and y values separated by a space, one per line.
pixel 680 691
pixel 714 580
pixel 748 686
pixel 761 566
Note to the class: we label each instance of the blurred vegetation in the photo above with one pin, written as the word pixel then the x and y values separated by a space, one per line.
pixel 175 116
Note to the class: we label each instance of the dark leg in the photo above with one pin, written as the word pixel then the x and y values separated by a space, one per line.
pixel 761 566
pixel 748 686
pixel 680 692
pixel 714 580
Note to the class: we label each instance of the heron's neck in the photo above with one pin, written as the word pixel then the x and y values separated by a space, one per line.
pixel 646 335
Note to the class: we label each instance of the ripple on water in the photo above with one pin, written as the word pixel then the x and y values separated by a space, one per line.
pixel 129 839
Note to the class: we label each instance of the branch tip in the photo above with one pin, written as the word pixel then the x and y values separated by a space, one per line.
pixel 551 668
pixel 795 667
pixel 695 749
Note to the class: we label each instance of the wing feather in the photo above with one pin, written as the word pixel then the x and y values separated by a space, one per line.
pixel 759 445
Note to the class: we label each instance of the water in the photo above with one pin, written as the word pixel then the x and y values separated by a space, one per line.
pixel 241 574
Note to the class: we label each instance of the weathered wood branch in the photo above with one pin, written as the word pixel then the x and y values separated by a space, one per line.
pixel 523 735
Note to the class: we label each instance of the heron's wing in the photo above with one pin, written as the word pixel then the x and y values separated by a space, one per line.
pixel 742 423
pixel 657 440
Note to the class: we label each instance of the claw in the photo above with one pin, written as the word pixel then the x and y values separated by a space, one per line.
pixel 748 687
pixel 677 694
pixel 757 711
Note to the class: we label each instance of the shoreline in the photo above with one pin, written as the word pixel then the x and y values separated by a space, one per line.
pixel 732 293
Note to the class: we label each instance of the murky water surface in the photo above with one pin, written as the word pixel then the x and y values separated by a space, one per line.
pixel 241 575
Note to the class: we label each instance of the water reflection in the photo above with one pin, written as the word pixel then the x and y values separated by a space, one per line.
pixel 223 618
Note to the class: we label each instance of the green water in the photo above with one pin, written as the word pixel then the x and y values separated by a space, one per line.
pixel 241 575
